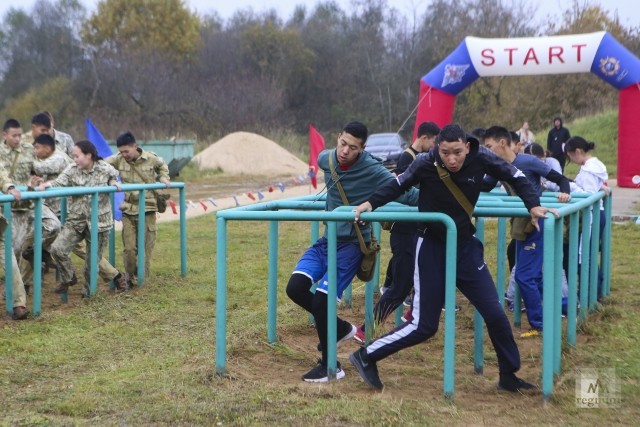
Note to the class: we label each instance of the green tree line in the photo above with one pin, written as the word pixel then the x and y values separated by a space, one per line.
pixel 159 68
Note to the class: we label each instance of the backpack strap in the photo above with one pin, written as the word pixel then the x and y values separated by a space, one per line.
pixel 137 172
pixel 455 190
pixel 410 151
pixel 13 164
pixel 345 201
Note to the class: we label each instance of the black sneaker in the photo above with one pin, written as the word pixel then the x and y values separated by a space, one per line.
pixel 319 374
pixel 509 382
pixel 344 335
pixel 367 369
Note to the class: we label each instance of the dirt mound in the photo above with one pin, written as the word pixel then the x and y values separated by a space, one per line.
pixel 249 154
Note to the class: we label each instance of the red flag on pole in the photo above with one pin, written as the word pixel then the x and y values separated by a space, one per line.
pixel 316 145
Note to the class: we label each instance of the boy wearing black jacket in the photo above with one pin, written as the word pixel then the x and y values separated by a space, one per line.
pixel 459 155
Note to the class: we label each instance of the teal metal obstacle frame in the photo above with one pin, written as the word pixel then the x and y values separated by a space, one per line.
pixel 63 192
pixel 495 204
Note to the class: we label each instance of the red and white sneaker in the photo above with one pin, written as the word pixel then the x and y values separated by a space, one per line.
pixel 360 335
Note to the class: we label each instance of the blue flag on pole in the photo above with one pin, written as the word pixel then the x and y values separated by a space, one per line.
pixel 104 151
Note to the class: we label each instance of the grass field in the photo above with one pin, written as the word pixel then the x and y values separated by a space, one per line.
pixel 148 357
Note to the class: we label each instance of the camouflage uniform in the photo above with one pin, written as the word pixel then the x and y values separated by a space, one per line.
pixel 78 224
pixel 19 164
pixel 19 294
pixel 64 142
pixel 147 168
pixel 49 169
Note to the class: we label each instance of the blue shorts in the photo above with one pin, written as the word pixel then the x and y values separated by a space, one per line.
pixel 313 264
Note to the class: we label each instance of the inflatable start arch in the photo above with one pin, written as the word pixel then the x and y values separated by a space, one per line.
pixel 598 53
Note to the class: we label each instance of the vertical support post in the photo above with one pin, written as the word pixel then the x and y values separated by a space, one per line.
pixel 332 269
pixel 572 279
pixel 183 232
pixel 8 257
pixel 450 310
pixel 548 308
pixel 37 257
pixel 142 227
pixel 369 290
pixel 557 293
pixel 93 250
pixel 517 300
pixel 478 322
pixel 594 291
pixel 272 297
pixel 502 256
pixel 606 247
pixel 63 218
pixel 112 237
pixel 221 294
pixel 585 253
pixel 315 233
pixel 63 210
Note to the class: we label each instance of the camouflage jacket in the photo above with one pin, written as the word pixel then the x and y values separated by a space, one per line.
pixel 63 140
pixel 18 162
pixel 49 169
pixel 150 168
pixel 79 208
pixel 5 183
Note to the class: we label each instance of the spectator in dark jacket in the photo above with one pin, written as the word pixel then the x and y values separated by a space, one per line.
pixel 558 135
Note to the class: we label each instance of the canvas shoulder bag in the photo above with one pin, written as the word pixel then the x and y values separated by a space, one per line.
pixel 369 251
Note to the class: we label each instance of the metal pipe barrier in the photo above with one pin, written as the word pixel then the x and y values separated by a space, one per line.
pixel 63 193
pixel 331 218
pixel 491 205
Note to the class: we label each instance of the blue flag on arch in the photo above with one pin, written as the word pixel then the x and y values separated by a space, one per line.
pixel 104 151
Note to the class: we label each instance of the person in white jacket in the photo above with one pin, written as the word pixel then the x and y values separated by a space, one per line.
pixel 593 175
pixel 591 178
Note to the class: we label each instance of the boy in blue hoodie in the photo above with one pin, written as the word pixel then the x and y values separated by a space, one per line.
pixel 360 174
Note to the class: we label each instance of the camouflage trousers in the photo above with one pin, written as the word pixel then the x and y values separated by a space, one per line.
pixel 22 229
pixel 106 271
pixel 19 295
pixel 23 237
pixel 73 233
pixel 130 243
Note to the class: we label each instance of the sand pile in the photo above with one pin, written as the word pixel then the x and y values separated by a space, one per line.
pixel 250 154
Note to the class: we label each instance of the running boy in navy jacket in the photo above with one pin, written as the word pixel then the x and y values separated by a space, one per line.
pixel 459 154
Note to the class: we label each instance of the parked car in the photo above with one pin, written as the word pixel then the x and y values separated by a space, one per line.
pixel 386 146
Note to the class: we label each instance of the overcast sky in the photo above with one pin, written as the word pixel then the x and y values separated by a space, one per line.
pixel 628 10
